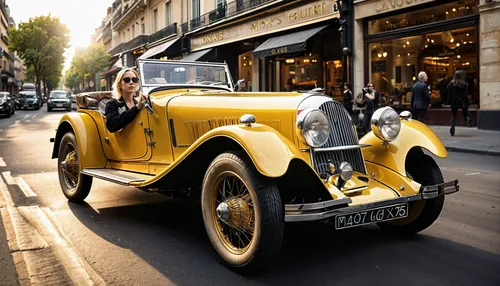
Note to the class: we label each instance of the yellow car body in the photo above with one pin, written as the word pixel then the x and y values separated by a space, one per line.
pixel 169 150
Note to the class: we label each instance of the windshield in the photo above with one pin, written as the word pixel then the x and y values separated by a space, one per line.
pixel 59 94
pixel 27 94
pixel 168 73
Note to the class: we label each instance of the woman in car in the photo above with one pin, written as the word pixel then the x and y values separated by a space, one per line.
pixel 123 109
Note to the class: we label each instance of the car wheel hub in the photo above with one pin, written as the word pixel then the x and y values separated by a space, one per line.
pixel 236 213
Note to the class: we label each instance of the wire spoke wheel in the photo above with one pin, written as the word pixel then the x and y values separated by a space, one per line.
pixel 233 212
pixel 74 185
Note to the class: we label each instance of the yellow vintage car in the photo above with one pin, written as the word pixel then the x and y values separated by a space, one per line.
pixel 256 160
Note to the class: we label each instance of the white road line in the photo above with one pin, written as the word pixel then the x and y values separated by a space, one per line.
pixel 2 162
pixel 45 251
pixel 28 192
pixel 8 178
pixel 1 130
pixel 34 116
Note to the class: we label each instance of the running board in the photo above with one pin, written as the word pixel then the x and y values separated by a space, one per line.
pixel 117 176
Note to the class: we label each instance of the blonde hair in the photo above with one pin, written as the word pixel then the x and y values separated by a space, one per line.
pixel 117 92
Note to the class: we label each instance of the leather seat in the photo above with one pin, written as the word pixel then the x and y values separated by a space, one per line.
pixel 94 100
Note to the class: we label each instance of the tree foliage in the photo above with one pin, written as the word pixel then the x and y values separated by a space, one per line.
pixel 86 64
pixel 41 43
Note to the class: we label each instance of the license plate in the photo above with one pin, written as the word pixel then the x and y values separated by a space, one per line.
pixel 371 216
pixel 59 105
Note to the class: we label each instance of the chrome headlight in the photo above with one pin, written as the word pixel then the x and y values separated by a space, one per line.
pixel 314 126
pixel 386 124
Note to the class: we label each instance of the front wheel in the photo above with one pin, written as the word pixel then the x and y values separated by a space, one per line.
pixel 242 213
pixel 75 186
pixel 423 213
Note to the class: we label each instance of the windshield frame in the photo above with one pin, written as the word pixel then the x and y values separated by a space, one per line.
pixel 59 92
pixel 147 87
pixel 27 94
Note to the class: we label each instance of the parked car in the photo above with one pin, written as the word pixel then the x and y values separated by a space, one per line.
pixel 255 160
pixel 29 99
pixel 59 99
pixel 7 104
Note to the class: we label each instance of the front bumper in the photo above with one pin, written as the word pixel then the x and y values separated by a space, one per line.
pixel 331 208
pixel 59 105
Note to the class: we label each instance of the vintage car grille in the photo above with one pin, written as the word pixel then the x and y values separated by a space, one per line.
pixel 342 133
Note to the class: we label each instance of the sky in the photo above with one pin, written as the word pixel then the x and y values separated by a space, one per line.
pixel 81 17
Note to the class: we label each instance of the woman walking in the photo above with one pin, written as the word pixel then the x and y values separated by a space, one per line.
pixel 458 98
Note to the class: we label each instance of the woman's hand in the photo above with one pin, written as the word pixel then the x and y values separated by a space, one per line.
pixel 142 99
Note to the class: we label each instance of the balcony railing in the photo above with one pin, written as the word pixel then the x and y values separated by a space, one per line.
pixel 107 34
pixel 163 33
pixel 224 11
pixel 134 43
pixel 131 5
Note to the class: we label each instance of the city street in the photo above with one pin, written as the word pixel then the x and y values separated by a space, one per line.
pixel 126 237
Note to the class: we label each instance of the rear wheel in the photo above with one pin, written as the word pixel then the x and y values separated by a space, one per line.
pixel 423 213
pixel 242 213
pixel 75 186
pixel 9 112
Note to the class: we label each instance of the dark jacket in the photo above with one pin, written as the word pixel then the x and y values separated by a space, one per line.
pixel 420 96
pixel 458 96
pixel 118 115
pixel 372 105
pixel 348 100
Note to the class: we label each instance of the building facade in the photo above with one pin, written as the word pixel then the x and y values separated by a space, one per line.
pixel 7 60
pixel 396 39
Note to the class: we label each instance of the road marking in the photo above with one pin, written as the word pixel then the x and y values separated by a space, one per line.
pixel 2 162
pixel 28 192
pixel 34 116
pixel 8 178
pixel 48 256
pixel 473 174
pixel 1 130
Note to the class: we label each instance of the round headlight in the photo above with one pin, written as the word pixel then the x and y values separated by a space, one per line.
pixel 386 124
pixel 315 127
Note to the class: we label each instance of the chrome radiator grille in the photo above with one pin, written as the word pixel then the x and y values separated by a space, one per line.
pixel 342 133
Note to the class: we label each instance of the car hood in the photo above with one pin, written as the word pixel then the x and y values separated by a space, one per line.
pixel 198 112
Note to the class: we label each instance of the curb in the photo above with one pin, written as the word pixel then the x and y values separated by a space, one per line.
pixel 472 151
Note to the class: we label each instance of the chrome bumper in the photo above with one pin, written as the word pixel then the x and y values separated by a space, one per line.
pixel 327 209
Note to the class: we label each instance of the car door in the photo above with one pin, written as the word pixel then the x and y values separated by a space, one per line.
pixel 131 143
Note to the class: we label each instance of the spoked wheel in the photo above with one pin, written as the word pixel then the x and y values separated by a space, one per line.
pixel 242 213
pixel 75 186
pixel 423 213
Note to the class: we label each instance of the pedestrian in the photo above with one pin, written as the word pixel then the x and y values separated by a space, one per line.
pixel 348 99
pixel 371 97
pixel 123 108
pixel 420 97
pixel 458 90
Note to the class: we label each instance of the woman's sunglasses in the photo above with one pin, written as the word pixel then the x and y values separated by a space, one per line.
pixel 128 79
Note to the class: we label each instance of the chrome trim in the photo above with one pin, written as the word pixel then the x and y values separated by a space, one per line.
pixel 116 176
pixel 338 148
pixel 247 119
pixel 315 206
pixel 405 115
pixel 305 212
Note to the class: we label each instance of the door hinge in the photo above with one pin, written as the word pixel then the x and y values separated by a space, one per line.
pixel 152 143
pixel 148 131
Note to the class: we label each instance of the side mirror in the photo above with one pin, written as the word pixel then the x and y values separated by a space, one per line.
pixel 239 84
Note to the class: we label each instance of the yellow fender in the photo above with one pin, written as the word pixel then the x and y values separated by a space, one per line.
pixel 270 151
pixel 393 155
pixel 87 137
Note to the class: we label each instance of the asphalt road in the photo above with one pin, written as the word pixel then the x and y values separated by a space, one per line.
pixel 128 237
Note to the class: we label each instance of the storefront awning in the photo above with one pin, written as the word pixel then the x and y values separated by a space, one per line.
pixel 196 55
pixel 158 49
pixel 114 68
pixel 285 44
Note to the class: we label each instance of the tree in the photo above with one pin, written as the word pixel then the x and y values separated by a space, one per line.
pixel 41 43
pixel 86 63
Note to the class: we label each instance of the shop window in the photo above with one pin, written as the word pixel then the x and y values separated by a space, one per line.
pixel 245 62
pixel 334 80
pixel 300 73
pixel 394 64
pixel 447 11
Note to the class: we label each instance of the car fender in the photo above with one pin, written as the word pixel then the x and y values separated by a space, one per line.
pixel 270 152
pixel 393 154
pixel 87 139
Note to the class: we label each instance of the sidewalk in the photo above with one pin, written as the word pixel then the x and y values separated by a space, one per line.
pixel 469 140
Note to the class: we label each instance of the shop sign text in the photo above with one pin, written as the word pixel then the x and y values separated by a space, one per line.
pixel 389 5
pixel 279 51
pixel 269 22
pixel 213 37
